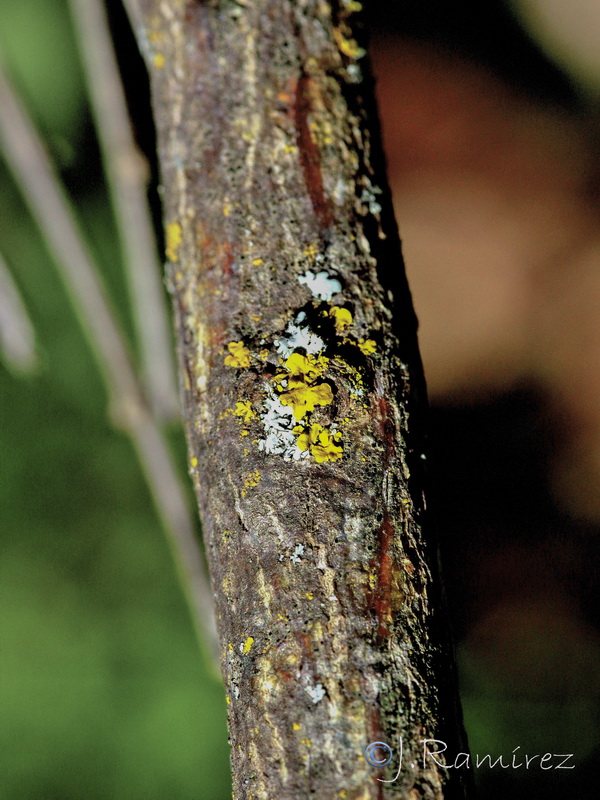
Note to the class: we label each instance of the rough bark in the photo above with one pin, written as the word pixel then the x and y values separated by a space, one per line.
pixel 303 397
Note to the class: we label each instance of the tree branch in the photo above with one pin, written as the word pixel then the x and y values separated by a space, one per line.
pixel 304 398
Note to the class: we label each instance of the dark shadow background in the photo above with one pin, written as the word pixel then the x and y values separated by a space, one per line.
pixel 493 165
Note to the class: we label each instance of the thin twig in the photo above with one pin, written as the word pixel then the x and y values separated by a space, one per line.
pixel 29 162
pixel 17 339
pixel 127 171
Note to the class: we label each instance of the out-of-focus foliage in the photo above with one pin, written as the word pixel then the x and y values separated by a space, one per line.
pixel 103 692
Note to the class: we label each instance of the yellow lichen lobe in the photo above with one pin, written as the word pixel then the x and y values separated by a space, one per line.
pixel 256 262
pixel 239 355
pixel 174 236
pixel 158 60
pixel 367 346
pixel 305 399
pixel 193 462
pixel 243 409
pixel 301 392
pixel 296 726
pixel 321 443
pixel 342 317
pixel 248 645
pixel 304 369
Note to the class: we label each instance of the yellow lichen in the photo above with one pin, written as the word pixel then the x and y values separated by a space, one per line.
pixel 243 409
pixel 239 355
pixel 159 60
pixel 321 443
pixel 349 47
pixel 310 251
pixel 303 369
pixel 257 262
pixel 174 239
pixel 301 392
pixel 248 645
pixel 306 742
pixel 228 700
pixel 305 399
pixel 309 596
pixel 296 726
pixel 252 480
pixel 367 346
pixel 342 317
pixel 193 462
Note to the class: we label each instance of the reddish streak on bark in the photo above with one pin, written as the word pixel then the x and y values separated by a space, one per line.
pixel 310 158
pixel 306 642
pixel 229 259
pixel 383 602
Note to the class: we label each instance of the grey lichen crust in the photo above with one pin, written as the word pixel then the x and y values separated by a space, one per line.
pixel 303 396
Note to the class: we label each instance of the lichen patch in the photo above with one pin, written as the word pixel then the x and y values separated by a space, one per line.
pixel 174 237
pixel 239 355
pixel 321 284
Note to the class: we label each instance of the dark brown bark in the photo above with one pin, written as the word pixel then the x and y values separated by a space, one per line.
pixel 303 398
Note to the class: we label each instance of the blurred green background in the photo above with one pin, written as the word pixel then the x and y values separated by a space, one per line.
pixel 103 690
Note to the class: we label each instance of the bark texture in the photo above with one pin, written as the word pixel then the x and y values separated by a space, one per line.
pixel 303 398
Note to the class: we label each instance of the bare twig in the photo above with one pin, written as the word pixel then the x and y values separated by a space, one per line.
pixel 17 340
pixel 127 174
pixel 29 162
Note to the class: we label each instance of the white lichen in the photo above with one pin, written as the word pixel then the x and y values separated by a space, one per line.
pixel 320 284
pixel 316 692
pixel 368 197
pixel 298 336
pixel 354 73
pixel 298 551
pixel 278 421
